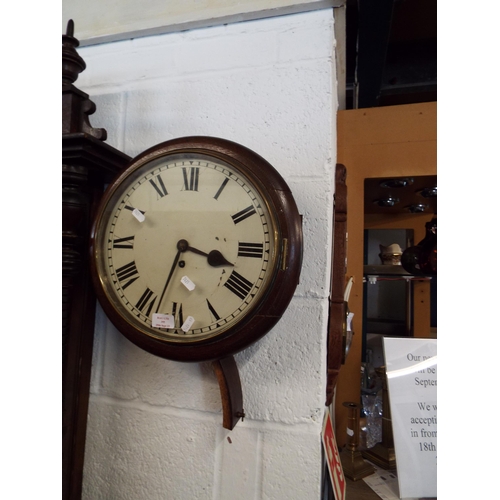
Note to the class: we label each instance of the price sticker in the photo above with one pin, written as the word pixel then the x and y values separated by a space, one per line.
pixel 163 321
pixel 138 215
pixel 188 283
pixel 187 324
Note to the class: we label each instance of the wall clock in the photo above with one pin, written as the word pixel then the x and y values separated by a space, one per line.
pixel 196 249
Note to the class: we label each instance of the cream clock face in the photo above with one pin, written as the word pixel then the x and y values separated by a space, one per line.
pixel 185 246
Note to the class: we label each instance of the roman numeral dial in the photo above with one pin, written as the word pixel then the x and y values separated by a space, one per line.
pixel 146 302
pixel 159 186
pixel 189 247
pixel 213 311
pixel 177 314
pixel 239 285
pixel 127 274
pixel 191 176
pixel 243 214
pixel 127 243
pixel 255 250
pixel 192 244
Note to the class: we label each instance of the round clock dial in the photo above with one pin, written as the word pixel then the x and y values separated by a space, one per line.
pixel 188 246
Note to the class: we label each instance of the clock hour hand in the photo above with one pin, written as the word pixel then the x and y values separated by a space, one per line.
pixel 214 258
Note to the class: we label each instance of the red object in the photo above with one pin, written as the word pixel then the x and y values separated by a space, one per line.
pixel 333 459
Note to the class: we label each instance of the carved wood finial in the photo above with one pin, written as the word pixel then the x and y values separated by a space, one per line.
pixel 70 28
pixel 72 63
pixel 76 105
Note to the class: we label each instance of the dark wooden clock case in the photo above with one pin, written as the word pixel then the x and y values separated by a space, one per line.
pixel 286 276
pixel 87 164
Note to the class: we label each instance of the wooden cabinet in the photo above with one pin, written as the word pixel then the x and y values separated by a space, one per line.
pixel 391 141
pixel 87 164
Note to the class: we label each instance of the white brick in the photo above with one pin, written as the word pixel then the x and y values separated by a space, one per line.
pixel 283 373
pixel 129 373
pixel 110 109
pixel 292 466
pixel 314 200
pixel 228 52
pixel 306 40
pixel 134 454
pixel 269 111
pixel 239 466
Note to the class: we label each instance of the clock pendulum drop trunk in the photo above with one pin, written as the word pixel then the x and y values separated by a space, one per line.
pixel 87 163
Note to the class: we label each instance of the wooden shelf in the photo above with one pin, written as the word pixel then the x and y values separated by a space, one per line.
pixel 386 271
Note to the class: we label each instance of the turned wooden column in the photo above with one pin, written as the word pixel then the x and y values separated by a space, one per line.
pixel 338 307
pixel 87 164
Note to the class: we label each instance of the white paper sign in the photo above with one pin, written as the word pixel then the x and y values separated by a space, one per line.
pixel 163 321
pixel 384 483
pixel 411 366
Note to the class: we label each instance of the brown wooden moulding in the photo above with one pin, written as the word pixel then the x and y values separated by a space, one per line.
pixel 338 307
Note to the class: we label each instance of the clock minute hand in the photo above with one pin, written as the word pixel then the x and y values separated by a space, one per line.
pixel 214 258
pixel 182 246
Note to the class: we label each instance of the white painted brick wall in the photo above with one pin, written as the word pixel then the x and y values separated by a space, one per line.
pixel 155 426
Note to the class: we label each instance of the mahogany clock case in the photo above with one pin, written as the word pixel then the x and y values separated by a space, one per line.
pixel 285 271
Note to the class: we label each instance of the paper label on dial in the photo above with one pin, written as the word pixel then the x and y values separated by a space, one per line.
pixel 163 320
pixel 349 321
pixel 138 215
pixel 187 324
pixel 188 283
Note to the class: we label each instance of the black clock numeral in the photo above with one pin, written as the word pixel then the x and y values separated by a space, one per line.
pixel 222 186
pixel 177 314
pixel 239 285
pixel 191 176
pixel 125 272
pixel 250 250
pixel 245 213
pixel 127 242
pixel 147 299
pixel 128 207
pixel 160 187
pixel 213 311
